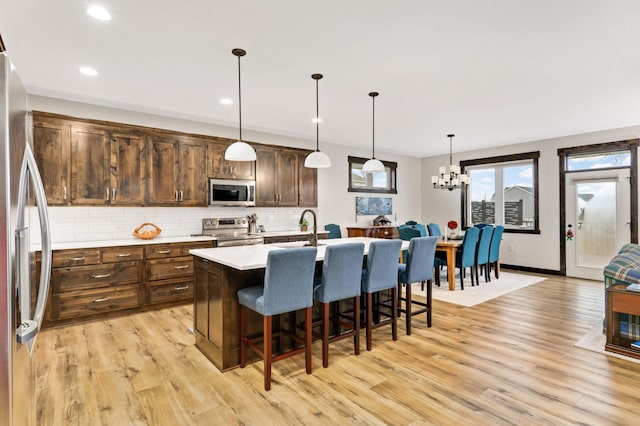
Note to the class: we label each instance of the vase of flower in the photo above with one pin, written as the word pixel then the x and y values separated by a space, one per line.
pixel 452 227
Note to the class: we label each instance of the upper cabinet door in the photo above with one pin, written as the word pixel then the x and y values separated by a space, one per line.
pixel 219 168
pixel 90 160
pixel 163 170
pixel 51 143
pixel 265 178
pixel 287 178
pixel 192 166
pixel 276 177
pixel 128 169
pixel 308 183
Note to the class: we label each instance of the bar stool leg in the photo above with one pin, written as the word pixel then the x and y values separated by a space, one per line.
pixel 429 299
pixel 243 335
pixel 369 319
pixel 325 335
pixel 267 352
pixel 407 307
pixel 307 321
pixel 356 325
pixel 394 314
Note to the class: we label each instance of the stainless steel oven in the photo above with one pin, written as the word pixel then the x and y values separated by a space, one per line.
pixel 232 192
pixel 230 231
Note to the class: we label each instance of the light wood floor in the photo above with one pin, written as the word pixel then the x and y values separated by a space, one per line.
pixel 511 360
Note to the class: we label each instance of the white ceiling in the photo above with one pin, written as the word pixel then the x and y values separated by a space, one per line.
pixel 493 72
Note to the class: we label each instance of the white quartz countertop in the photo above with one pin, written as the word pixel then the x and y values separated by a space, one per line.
pixel 133 241
pixel 286 233
pixel 255 257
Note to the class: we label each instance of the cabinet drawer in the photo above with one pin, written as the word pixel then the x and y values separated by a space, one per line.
pixel 88 302
pixel 122 254
pixel 75 258
pixel 98 276
pixel 179 267
pixel 170 290
pixel 163 251
pixel 197 245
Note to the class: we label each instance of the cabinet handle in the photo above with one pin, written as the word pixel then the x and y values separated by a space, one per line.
pixel 77 259
pixel 107 194
pixel 64 192
pixel 181 267
pixel 101 276
pixel 123 254
pixel 163 251
pixel 185 287
pixel 181 199
pixel 113 194
pixel 104 299
pixel 176 195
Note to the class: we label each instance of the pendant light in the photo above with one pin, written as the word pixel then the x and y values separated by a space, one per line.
pixel 317 159
pixel 239 150
pixel 451 179
pixel 373 165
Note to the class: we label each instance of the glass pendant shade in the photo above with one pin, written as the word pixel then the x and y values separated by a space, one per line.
pixel 240 151
pixel 317 160
pixel 373 166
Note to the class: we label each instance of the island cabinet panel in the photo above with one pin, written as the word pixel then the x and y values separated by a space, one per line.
pixel 217 312
pixel 52 142
pixel 219 168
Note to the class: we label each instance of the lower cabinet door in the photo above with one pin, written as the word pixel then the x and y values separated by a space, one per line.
pixel 170 291
pixel 88 302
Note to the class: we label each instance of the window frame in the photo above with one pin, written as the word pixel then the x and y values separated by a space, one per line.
pixel 503 161
pixel 392 165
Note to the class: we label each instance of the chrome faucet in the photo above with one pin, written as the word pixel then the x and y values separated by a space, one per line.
pixel 313 239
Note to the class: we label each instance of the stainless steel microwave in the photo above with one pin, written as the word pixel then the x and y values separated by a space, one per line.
pixel 231 192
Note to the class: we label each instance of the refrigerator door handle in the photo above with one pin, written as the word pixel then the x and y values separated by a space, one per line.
pixel 28 329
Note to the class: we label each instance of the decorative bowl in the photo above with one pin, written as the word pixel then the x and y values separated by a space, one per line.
pixel 147 234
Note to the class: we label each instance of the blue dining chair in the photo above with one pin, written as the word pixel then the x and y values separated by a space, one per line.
pixel 381 274
pixel 340 279
pixel 482 252
pixel 419 268
pixel 287 287
pixel 411 222
pixel 408 232
pixel 466 255
pixel 494 250
pixel 434 229
pixel 334 230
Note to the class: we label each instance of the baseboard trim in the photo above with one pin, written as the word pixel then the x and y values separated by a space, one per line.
pixel 530 269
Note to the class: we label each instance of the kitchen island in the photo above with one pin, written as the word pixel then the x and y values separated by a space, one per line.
pixel 219 274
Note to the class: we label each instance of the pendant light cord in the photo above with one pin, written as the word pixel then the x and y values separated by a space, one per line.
pixel 317 120
pixel 373 130
pixel 239 101
pixel 450 149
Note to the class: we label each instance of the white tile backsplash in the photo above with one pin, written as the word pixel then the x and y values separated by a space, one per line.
pixel 70 224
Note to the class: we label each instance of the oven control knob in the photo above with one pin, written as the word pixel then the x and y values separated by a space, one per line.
pixel 243 221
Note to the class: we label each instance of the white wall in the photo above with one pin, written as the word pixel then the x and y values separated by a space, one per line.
pixel 335 203
pixel 530 250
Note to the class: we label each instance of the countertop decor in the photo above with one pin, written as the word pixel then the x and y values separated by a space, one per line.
pixel 147 234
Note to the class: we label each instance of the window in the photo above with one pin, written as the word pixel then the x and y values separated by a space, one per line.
pixel 503 191
pixel 384 182
pixel 606 160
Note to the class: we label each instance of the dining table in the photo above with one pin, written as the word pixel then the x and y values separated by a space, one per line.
pixel 450 247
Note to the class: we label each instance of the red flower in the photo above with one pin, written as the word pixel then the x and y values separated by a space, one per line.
pixel 452 224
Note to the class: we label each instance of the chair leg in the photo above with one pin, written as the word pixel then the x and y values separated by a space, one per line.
pixel 487 273
pixel 407 305
pixel 394 316
pixel 497 269
pixel 461 278
pixel 399 298
pixel 325 335
pixel 429 301
pixel 243 335
pixel 369 319
pixel 476 274
pixel 267 351
pixel 356 325
pixel 307 353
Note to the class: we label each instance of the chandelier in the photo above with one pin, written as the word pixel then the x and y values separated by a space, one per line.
pixel 453 179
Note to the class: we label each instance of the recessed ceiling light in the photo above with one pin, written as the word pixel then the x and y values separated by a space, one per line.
pixel 99 13
pixel 226 101
pixel 88 71
pixel 316 120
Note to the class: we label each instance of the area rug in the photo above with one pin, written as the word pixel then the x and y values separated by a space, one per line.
pixel 471 296
pixel 594 340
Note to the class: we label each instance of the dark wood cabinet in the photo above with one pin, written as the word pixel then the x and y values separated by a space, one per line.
pixel 51 150
pixel 90 162
pixel 373 231
pixel 277 177
pixel 128 174
pixel 219 168
pixel 307 183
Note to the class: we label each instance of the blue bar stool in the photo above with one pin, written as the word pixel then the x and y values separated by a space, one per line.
pixel 288 287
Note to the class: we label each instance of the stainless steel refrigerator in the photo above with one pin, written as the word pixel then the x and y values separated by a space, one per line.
pixel 23 221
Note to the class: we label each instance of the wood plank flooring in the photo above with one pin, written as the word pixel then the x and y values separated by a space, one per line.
pixel 511 360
